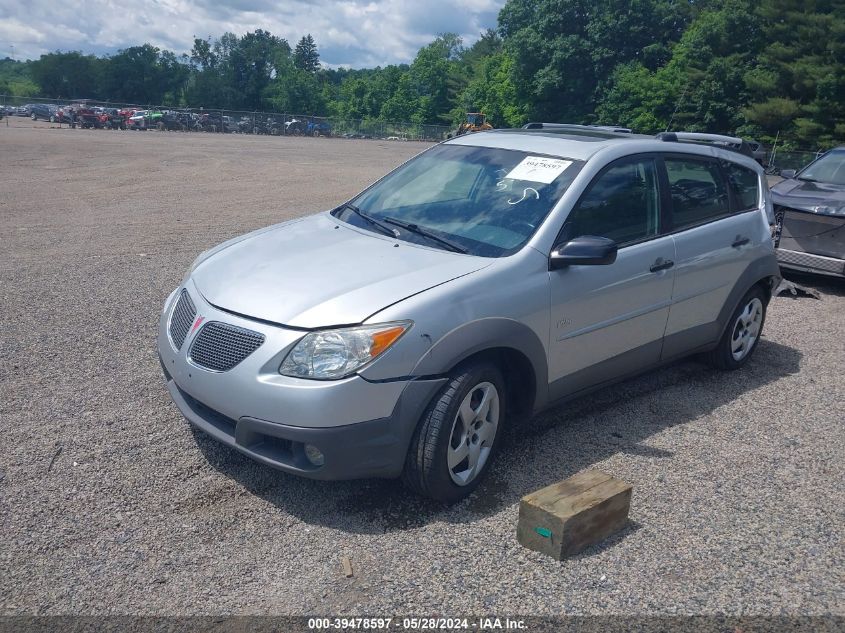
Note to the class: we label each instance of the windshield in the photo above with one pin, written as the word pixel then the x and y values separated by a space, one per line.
pixel 829 168
pixel 487 201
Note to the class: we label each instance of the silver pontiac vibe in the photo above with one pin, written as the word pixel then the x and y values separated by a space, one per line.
pixel 490 277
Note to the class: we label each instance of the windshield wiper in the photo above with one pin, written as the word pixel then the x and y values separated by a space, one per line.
pixel 413 228
pixel 368 218
pixel 804 178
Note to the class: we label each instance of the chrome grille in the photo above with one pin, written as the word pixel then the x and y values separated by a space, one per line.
pixel 181 319
pixel 220 346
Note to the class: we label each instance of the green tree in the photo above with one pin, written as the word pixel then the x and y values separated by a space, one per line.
pixel 15 78
pixel 305 56
pixel 492 92
pixel 145 75
pixel 701 87
pixel 798 84
pixel 253 62
pixel 202 55
pixel 403 104
pixel 67 75
pixel 564 51
pixel 206 84
pixel 430 75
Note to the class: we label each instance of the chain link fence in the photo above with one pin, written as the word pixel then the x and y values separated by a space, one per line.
pixel 115 115
pixel 109 114
pixel 780 159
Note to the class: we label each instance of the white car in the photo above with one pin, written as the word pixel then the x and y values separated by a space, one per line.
pixel 138 121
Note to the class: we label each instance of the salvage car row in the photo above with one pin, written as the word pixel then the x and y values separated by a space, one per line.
pixel 100 117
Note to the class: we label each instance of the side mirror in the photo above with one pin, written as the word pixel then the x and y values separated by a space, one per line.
pixel 587 250
pixel 787 174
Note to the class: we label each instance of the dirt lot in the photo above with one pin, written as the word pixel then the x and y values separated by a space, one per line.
pixel 109 503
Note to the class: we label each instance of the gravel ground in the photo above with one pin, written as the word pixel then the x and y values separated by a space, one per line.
pixel 111 504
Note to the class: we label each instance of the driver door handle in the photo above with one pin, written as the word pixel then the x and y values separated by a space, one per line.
pixel 661 264
pixel 740 241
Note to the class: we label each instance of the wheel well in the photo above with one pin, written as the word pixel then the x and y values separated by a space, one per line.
pixel 767 285
pixel 520 379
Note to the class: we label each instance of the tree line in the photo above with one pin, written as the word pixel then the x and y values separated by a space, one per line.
pixel 761 69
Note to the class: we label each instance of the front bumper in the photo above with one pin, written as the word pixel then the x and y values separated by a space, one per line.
pixel 810 262
pixel 362 428
pixel 375 448
pixel 810 242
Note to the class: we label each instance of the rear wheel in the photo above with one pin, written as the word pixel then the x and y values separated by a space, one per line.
pixel 742 334
pixel 457 437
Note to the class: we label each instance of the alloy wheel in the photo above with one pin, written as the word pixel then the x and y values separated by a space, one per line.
pixel 746 329
pixel 473 433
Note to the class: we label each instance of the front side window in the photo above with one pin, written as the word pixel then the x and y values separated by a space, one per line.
pixel 488 201
pixel 621 204
pixel 744 184
pixel 698 191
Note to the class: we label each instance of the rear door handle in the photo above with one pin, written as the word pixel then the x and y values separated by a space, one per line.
pixel 740 241
pixel 661 264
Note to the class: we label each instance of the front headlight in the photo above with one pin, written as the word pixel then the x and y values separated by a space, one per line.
pixel 334 354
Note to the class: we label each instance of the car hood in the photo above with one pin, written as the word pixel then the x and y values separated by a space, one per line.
pixel 805 195
pixel 319 272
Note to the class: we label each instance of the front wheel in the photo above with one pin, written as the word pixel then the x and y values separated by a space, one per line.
pixel 742 334
pixel 457 437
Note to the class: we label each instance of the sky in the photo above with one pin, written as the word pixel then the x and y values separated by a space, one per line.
pixel 354 33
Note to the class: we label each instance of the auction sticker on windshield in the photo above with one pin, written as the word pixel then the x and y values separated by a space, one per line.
pixel 539 169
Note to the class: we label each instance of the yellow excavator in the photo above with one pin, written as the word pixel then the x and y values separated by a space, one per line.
pixel 475 122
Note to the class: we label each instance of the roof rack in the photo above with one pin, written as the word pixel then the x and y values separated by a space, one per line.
pixel 573 126
pixel 674 137
pixel 733 143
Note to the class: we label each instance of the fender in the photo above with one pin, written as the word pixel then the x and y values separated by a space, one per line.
pixel 764 268
pixel 705 337
pixel 484 334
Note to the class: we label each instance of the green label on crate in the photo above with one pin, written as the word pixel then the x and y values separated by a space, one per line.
pixel 544 532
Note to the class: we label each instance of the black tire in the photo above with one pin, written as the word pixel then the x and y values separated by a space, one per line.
pixel 33 117
pixel 722 356
pixel 426 469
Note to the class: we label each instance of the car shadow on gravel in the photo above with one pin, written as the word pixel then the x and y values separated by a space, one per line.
pixel 535 453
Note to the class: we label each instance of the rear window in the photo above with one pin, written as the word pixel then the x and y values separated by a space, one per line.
pixel 698 191
pixel 744 184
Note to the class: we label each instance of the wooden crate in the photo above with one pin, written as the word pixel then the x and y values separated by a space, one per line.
pixel 562 519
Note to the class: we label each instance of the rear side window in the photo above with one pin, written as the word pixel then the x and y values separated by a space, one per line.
pixel 698 191
pixel 744 184
pixel 621 204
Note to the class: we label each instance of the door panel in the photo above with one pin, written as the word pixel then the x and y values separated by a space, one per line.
pixel 707 267
pixel 607 320
pixel 713 248
pixel 603 312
